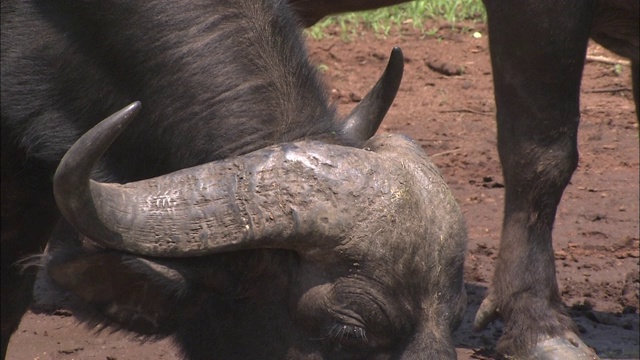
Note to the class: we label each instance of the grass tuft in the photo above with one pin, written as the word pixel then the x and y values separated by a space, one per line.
pixel 383 21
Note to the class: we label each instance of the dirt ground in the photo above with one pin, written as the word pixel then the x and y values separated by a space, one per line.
pixel 452 117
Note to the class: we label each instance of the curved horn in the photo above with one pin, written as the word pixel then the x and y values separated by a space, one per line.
pixel 71 180
pixel 364 120
pixel 285 196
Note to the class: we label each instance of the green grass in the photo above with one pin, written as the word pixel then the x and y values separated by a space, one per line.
pixel 383 21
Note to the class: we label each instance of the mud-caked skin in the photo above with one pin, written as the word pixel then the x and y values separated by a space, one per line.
pixel 537 53
pixel 251 221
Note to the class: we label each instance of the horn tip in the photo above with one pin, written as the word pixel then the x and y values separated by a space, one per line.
pixel 131 110
pixel 396 58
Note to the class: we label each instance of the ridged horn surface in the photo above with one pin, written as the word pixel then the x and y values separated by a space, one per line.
pixel 298 196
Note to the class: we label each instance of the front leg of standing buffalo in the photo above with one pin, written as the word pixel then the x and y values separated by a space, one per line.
pixel 635 79
pixel 537 54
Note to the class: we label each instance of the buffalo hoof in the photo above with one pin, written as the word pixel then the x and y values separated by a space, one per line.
pixel 568 347
pixel 487 312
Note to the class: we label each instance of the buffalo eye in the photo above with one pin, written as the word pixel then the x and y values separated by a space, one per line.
pixel 351 339
pixel 347 333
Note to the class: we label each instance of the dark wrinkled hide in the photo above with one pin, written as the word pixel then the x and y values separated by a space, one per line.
pixel 66 65
pixel 217 79
pixel 537 52
pixel 91 58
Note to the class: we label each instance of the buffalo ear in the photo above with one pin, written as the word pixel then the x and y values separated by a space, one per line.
pixel 125 292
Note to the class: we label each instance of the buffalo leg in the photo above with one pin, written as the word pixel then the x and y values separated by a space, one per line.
pixel 311 12
pixel 537 54
pixel 635 79
pixel 28 216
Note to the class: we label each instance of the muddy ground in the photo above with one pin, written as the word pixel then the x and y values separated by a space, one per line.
pixel 452 117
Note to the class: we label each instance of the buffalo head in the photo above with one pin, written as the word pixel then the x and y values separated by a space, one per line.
pixel 302 250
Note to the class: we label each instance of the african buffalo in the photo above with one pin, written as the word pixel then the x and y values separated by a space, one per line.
pixel 235 213
pixel 537 53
